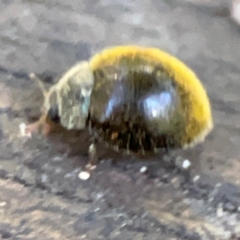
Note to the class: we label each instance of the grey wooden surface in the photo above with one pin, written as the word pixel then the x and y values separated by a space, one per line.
pixel 41 196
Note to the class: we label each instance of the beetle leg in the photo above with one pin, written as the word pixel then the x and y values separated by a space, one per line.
pixel 92 162
pixel 92 157
pixel 41 123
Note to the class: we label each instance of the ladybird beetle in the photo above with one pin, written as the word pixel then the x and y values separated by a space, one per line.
pixel 136 99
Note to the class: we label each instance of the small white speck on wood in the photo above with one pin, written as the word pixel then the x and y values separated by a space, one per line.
pixel 219 212
pixel 143 169
pixel 186 164
pixel 96 209
pixel 23 131
pixel 3 204
pixel 196 178
pixel 123 225
pixel 84 175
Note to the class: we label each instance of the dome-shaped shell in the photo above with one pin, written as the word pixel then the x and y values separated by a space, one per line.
pixel 144 98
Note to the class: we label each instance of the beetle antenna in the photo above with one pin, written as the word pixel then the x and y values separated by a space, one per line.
pixel 34 77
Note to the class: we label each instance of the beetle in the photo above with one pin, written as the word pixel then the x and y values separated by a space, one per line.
pixel 134 98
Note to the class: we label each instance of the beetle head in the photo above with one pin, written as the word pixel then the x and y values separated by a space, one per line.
pixel 69 99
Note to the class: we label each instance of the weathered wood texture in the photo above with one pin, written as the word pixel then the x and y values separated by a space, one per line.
pixel 41 196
